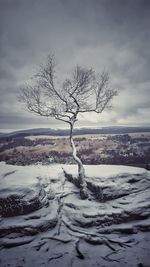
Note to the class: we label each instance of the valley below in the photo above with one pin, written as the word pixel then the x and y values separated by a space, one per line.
pixel 119 149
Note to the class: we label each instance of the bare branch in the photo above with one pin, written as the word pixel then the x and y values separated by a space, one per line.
pixel 60 118
pixel 82 79
pixel 80 93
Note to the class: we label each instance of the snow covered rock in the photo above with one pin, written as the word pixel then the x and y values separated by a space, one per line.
pixel 52 226
pixel 19 201
pixel 120 194
pixel 18 197
pixel 25 202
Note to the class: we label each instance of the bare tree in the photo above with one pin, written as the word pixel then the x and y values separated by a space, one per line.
pixel 80 93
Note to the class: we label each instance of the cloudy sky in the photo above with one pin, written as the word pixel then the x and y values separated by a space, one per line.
pixel 104 34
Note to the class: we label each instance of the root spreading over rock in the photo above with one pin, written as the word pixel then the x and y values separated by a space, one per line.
pixel 47 215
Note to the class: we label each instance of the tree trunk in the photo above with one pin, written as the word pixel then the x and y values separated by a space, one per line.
pixel 81 171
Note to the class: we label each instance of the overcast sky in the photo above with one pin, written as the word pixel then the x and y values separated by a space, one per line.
pixel 104 34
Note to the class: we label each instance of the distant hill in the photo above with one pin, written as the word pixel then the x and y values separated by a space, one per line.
pixel 79 131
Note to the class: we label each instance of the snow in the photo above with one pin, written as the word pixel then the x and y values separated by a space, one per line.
pixel 60 229
pixel 54 169
pixel 112 170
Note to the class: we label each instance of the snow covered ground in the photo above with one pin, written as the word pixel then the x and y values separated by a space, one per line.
pixel 45 223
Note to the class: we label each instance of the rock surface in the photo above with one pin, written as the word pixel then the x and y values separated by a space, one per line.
pixel 21 199
pixel 45 223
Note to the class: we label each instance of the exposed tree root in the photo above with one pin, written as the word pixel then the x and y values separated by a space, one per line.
pixel 79 253
pixel 99 240
pixel 67 194
pixel 41 244
pixel 75 230
pixel 58 239
pixel 111 260
pixel 96 239
pixel 57 256
pixel 96 191
pixel 15 243
pixel 60 200
pixel 71 179
pixel 121 244
pixel 107 257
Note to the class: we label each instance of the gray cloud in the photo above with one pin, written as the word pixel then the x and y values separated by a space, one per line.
pixel 101 33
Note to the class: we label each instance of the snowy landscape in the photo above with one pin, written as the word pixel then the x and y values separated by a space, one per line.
pixel 45 223
pixel 74 133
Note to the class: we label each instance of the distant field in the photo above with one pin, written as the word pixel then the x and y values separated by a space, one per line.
pixel 126 149
pixel 100 136
pixel 93 136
